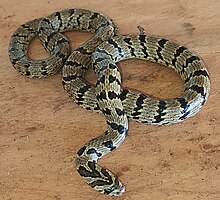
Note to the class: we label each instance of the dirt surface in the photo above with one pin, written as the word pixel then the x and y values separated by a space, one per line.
pixel 41 128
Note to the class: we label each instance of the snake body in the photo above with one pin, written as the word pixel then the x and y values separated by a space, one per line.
pixel 49 30
pixel 103 51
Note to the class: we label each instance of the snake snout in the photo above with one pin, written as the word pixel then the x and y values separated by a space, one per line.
pixel 116 190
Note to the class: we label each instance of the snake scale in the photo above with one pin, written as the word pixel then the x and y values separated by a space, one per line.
pixel 106 48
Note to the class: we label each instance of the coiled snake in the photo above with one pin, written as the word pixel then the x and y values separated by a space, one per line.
pixel 103 51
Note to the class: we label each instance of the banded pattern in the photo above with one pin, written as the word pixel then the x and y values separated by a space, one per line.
pixel 137 106
pixel 115 104
pixel 108 95
pixel 49 30
pixel 103 51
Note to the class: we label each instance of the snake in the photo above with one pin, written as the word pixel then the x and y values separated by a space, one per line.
pixel 102 52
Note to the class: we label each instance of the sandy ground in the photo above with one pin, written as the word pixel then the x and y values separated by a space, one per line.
pixel 41 128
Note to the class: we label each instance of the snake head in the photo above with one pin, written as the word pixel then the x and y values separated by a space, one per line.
pixel 116 189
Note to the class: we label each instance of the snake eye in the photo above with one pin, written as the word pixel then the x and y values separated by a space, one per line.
pixel 108 191
pixel 115 190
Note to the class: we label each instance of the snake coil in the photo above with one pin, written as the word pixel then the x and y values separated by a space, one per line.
pixel 103 51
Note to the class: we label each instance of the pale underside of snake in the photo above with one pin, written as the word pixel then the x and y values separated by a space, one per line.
pixel 117 104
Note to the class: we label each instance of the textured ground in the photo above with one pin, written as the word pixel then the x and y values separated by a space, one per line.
pixel 41 128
